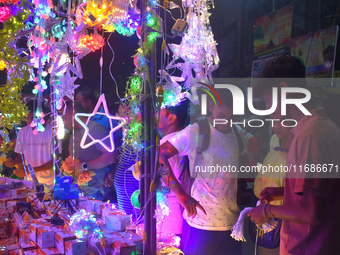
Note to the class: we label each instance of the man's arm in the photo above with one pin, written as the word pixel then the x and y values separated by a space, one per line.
pixel 308 210
pixel 105 159
pixel 20 171
pixel 167 151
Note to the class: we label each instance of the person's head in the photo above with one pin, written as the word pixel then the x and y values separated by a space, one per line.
pixel 224 111
pixel 87 98
pixel 284 71
pixel 68 116
pixel 173 118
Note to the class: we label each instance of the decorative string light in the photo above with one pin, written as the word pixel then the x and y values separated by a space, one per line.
pixel 93 42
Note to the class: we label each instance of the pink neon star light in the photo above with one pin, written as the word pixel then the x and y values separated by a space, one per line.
pixel 110 148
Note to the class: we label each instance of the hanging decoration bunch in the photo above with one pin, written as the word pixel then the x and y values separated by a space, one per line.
pixel 197 48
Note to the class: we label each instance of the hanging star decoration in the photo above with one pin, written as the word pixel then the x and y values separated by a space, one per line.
pixel 110 148
pixel 66 86
pixel 61 54
pixel 200 56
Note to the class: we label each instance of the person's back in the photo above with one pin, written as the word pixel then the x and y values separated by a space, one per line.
pixel 214 190
pixel 315 141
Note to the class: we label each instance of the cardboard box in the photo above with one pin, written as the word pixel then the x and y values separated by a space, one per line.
pixel 124 247
pixel 28 246
pixel 11 248
pixel 59 228
pixel 19 193
pixel 33 231
pixel 23 235
pixel 75 247
pixel 15 252
pixel 3 203
pixel 39 221
pixel 11 204
pixel 136 239
pixel 60 239
pixel 51 251
pixel 34 252
pixel 118 222
pixel 45 237
pixel 5 193
pixel 4 217
pixel 28 184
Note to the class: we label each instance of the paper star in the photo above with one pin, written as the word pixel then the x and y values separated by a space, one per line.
pixel 110 148
pixel 66 86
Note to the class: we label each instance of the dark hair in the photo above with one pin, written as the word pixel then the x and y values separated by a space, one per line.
pixel 284 68
pixel 78 108
pixel 88 94
pixel 181 111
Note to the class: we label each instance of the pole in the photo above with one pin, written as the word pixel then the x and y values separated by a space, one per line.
pixel 148 158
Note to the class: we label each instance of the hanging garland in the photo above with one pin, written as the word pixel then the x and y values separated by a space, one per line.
pixel 12 109
pixel 132 130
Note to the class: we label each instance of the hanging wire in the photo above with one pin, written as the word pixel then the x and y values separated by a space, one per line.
pixel 110 66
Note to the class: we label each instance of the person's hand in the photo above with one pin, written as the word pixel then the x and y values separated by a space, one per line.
pixel 256 215
pixel 190 204
pixel 271 193
pixel 78 168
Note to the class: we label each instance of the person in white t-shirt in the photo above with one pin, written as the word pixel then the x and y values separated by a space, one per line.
pixel 37 150
pixel 207 231
pixel 171 120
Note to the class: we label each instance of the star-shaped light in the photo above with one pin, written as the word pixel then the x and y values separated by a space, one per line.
pixel 60 51
pixel 110 148
pixel 66 86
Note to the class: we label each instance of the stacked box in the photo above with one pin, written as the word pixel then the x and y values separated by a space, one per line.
pixel 60 239
pixel 11 205
pixel 136 239
pixel 15 252
pixel 33 231
pixel 124 247
pixel 51 251
pixel 3 203
pixel 11 247
pixel 59 228
pixel 5 193
pixel 19 193
pixel 24 235
pixel 117 222
pixel 45 237
pixel 28 246
pixel 75 247
pixel 39 221
pixel 34 252
pixel 4 217
pixel 28 184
